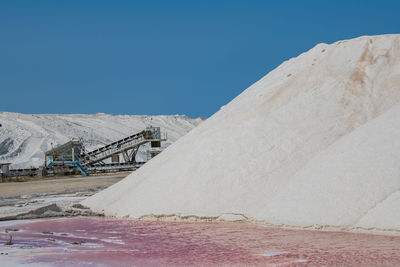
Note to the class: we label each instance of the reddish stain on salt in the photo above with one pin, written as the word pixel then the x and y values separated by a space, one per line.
pixel 114 242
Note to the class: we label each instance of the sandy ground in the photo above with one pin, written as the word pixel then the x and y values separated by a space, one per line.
pixel 58 184
pixel 55 197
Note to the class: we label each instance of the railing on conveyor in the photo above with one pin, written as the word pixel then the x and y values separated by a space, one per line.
pixel 100 154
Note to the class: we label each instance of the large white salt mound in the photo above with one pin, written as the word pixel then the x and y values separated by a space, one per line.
pixel 289 149
pixel 354 182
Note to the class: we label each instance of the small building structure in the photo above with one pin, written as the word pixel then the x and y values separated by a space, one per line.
pixel 64 153
pixel 4 169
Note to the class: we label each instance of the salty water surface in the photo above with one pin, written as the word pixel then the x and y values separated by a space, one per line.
pixel 114 242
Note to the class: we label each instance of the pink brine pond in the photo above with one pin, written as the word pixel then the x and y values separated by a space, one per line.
pixel 115 242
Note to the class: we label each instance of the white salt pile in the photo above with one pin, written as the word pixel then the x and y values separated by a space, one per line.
pixel 315 142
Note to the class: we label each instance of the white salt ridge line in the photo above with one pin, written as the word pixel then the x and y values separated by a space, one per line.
pixel 93 245
pixel 16 222
pixel 302 260
pixel 275 254
pixel 113 241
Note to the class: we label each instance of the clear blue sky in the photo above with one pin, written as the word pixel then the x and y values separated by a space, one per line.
pixel 162 57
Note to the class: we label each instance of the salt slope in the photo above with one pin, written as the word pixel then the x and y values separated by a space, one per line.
pixel 249 157
pixel 354 182
pixel 25 137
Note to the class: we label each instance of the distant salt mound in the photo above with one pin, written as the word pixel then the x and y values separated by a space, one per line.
pixel 315 142
pixel 25 137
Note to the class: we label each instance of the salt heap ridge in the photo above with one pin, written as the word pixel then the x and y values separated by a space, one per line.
pixel 314 142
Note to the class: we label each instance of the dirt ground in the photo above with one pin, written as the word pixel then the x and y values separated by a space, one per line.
pixel 59 184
